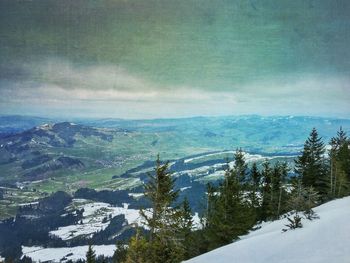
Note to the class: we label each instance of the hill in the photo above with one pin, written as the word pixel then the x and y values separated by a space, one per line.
pixel 33 153
pixel 110 154
pixel 322 240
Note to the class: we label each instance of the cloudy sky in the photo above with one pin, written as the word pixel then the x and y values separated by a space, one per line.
pixel 162 58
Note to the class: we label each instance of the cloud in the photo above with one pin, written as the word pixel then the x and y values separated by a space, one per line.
pixel 71 76
pixel 62 88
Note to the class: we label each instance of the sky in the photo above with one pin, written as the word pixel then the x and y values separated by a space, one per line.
pixel 174 58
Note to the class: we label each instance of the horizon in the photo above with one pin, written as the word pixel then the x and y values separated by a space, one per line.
pixel 77 118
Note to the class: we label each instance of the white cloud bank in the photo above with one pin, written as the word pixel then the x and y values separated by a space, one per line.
pixel 59 88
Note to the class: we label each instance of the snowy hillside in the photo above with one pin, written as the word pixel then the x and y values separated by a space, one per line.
pixel 64 254
pixel 96 217
pixel 322 240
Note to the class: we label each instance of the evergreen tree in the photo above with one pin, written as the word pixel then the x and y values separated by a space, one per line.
pixel 280 172
pixel 211 199
pixel 139 250
pixel 273 193
pixel 230 215
pixel 240 166
pixel 120 252
pixel 311 165
pixel 294 223
pixel 296 202
pixel 311 200
pixel 302 200
pixel 255 176
pixel 266 211
pixel 163 220
pixel 339 165
pixel 186 224
pixel 255 191
pixel 160 191
pixel 90 255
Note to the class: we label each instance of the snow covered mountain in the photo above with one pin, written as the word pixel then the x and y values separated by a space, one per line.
pixel 323 240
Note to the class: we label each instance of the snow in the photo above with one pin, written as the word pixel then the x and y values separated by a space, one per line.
pixel 322 240
pixel 64 254
pixel 93 218
pixel 217 170
pixel 214 175
pixel 28 204
pixel 136 195
pixel 185 188
pixel 196 222
pixel 248 157
pixel 206 155
pixel 45 126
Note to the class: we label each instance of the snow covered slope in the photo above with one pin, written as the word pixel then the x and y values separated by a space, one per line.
pixel 323 240
pixel 64 254
pixel 96 217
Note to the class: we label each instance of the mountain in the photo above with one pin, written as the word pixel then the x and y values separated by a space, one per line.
pixel 322 240
pixel 112 154
pixel 91 145
pixel 108 149
pixel 32 152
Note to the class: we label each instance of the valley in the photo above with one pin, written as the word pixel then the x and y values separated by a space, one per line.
pixel 110 154
pixel 84 180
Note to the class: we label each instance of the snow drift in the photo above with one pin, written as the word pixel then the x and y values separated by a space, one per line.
pixel 322 240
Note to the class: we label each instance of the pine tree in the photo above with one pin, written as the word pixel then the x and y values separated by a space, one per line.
pixel 301 200
pixel 311 200
pixel 255 190
pixel 266 211
pixel 273 192
pixel 230 215
pixel 294 223
pixel 311 165
pixel 339 165
pixel 211 199
pixel 240 166
pixel 255 176
pixel 186 225
pixel 90 255
pixel 120 252
pixel 296 202
pixel 279 180
pixel 164 221
pixel 160 191
pixel 139 250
